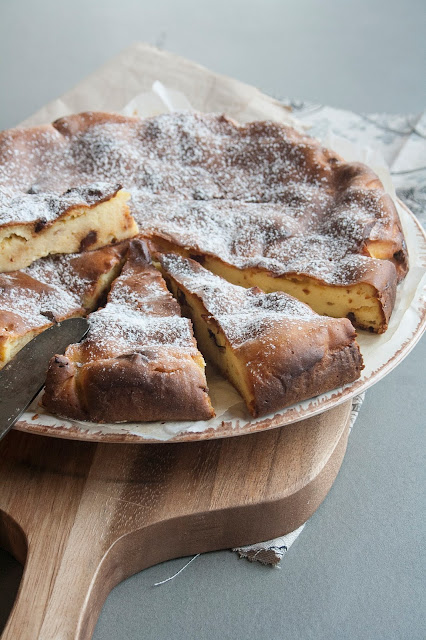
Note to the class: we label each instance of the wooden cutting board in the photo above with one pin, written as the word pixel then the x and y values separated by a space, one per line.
pixel 84 516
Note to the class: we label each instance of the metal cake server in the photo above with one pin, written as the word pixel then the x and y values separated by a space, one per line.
pixel 23 377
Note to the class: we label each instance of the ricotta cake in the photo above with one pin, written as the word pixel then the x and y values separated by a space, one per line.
pixel 274 349
pixel 139 361
pixel 262 208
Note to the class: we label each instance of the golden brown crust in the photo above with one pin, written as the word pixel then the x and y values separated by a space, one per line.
pixel 87 267
pixel 299 368
pixel 140 387
pixel 259 198
pixel 139 361
pixel 50 208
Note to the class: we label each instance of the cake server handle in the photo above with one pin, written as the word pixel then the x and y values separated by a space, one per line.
pixel 23 377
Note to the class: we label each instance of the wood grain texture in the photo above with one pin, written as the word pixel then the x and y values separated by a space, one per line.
pixel 85 516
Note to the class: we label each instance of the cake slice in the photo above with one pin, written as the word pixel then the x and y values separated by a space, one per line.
pixel 34 225
pixel 139 361
pixel 274 349
pixel 53 289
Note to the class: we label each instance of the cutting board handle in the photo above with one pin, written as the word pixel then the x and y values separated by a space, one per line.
pixel 49 606
pixel 90 515
pixel 62 600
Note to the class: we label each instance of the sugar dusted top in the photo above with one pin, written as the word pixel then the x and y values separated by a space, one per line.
pixel 33 298
pixel 260 194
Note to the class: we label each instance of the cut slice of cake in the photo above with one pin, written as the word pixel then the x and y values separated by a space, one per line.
pixel 35 225
pixel 139 361
pixel 274 349
pixel 53 289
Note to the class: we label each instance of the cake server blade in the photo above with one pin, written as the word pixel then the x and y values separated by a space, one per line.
pixel 23 377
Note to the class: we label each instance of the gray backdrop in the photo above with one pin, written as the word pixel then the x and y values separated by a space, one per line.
pixel 356 571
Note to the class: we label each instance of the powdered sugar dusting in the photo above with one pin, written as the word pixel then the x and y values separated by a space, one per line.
pixel 52 289
pixel 118 329
pixel 46 207
pixel 243 314
pixel 249 235
pixel 256 195
pixel 140 314
pixel 57 271
pixel 26 303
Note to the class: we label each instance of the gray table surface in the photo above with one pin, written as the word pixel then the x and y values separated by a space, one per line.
pixel 357 571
